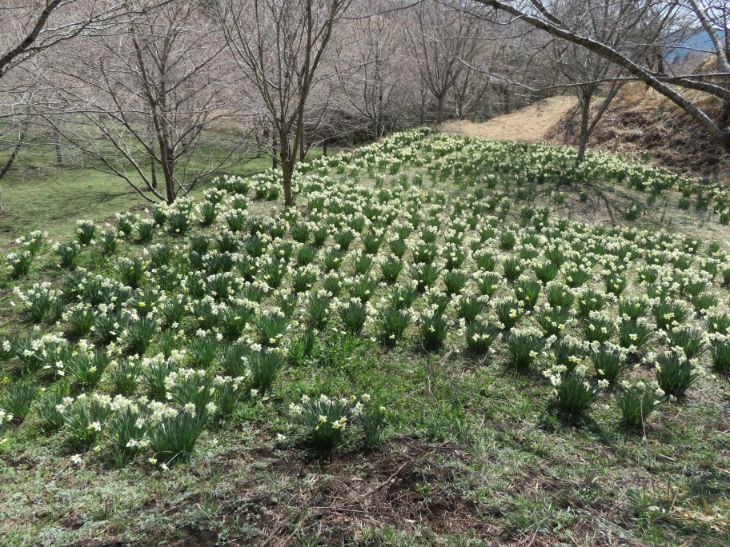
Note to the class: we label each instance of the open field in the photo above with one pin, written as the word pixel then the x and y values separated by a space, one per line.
pixel 38 194
pixel 449 341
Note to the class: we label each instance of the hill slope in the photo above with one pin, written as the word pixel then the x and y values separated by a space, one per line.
pixel 213 372
pixel 530 124
pixel 643 125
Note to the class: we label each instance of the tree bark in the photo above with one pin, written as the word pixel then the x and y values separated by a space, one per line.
pixel 9 163
pixel 153 163
pixel 440 110
pixel 287 160
pixel 584 99
pixel 57 147
pixel 507 100
pixel 274 150
pixel 13 155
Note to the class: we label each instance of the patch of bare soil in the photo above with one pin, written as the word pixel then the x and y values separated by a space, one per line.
pixel 530 124
pixel 407 483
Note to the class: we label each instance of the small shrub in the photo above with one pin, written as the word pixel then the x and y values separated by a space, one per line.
pixel 469 307
pixel 390 270
pixel 480 336
pixel 512 269
pixel 489 283
pixel 353 314
pixel 173 433
pixel 264 367
pixel 508 312
pixel 139 334
pixel 125 377
pixel 85 232
pixel 271 326
pixel 425 276
pixel 85 369
pixel 609 362
pixel 689 340
pixel 433 329
pixel 49 417
pixel 669 314
pixel 84 418
pixel 392 323
pixel 68 254
pixel 373 418
pixel 574 395
pixel 720 352
pixel 146 230
pixel 126 430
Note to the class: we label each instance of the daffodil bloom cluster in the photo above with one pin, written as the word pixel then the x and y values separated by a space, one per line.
pixel 234 290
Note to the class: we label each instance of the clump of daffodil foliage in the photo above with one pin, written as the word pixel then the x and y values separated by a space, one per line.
pixel 171 322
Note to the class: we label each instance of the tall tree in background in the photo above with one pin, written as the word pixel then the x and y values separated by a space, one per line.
pixel 443 44
pixel 30 32
pixel 152 89
pixel 278 46
pixel 368 57
pixel 709 14
pixel 29 28
pixel 626 26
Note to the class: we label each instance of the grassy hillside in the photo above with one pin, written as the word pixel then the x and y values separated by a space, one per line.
pixel 38 194
pixel 448 341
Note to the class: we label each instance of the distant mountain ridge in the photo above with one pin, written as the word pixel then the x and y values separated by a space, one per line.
pixel 698 44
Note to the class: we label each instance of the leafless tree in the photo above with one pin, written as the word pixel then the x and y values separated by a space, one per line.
pixel 27 29
pixel 31 30
pixel 278 46
pixel 627 26
pixel 443 44
pixel 142 98
pixel 368 60
pixel 31 27
pixel 710 14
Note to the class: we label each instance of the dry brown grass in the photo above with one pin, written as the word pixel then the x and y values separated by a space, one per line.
pixel 643 125
pixel 529 124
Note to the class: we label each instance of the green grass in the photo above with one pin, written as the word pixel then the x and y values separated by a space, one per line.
pixel 39 195
pixel 474 453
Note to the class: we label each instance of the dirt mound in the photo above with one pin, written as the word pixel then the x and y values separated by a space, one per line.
pixel 645 126
pixel 530 124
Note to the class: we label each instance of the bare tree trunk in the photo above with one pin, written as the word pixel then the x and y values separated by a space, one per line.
pixel 13 155
pixel 584 98
pixel 460 106
pixel 287 170
pixel 422 109
pixel 287 160
pixel 168 167
pixel 507 100
pixel 11 160
pixel 440 110
pixel 57 146
pixel 274 150
pixel 153 163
